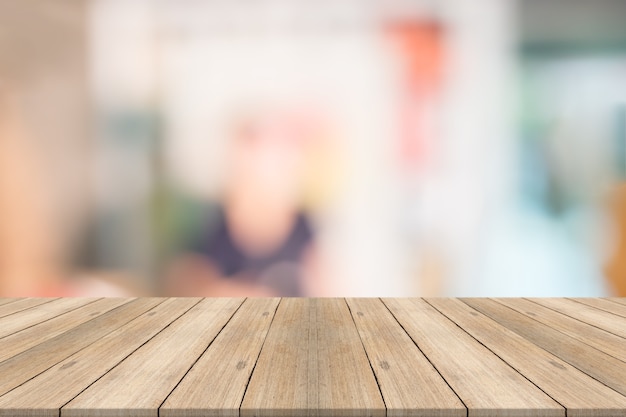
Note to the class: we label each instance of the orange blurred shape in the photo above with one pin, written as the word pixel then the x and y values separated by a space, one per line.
pixel 418 46
pixel 615 268
pixel 419 43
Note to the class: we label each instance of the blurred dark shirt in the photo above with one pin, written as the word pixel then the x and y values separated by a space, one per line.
pixel 280 270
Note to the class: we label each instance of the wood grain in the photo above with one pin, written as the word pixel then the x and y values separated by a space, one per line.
pixel 601 366
pixel 581 396
pixel 4 301
pixel 216 384
pixel 25 365
pixel 312 364
pixel 39 333
pixel 585 313
pixel 602 304
pixel 415 390
pixel 142 382
pixel 481 379
pixel 22 304
pixel 619 300
pixel 12 324
pixel 582 332
pixel 44 395
pixel 294 357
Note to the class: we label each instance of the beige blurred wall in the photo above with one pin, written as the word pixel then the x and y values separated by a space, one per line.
pixel 43 65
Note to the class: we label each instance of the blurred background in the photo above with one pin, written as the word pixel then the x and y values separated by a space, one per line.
pixel 313 148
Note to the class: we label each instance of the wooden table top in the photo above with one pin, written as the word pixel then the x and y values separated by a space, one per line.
pixel 312 357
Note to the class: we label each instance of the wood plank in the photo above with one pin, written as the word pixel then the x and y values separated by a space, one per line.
pixel 26 365
pixel 21 304
pixel 27 318
pixel 599 365
pixel 27 338
pixel 583 332
pixel 215 385
pixel 312 364
pixel 141 382
pixel 581 395
pixel 7 300
pixel 619 300
pixel 602 319
pixel 487 385
pixel 45 394
pixel 603 304
pixel 410 385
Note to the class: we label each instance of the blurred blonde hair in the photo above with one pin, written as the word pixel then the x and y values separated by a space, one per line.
pixel 323 163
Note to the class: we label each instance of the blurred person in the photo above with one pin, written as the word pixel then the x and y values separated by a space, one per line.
pixel 262 242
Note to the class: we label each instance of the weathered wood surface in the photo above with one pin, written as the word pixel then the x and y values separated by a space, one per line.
pixel 313 357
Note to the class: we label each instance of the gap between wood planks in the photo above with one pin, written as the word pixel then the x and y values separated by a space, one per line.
pixel 495 354
pixel 367 355
pixel 259 354
pixel 427 358
pixel 133 351
pixel 590 309
pixel 557 341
